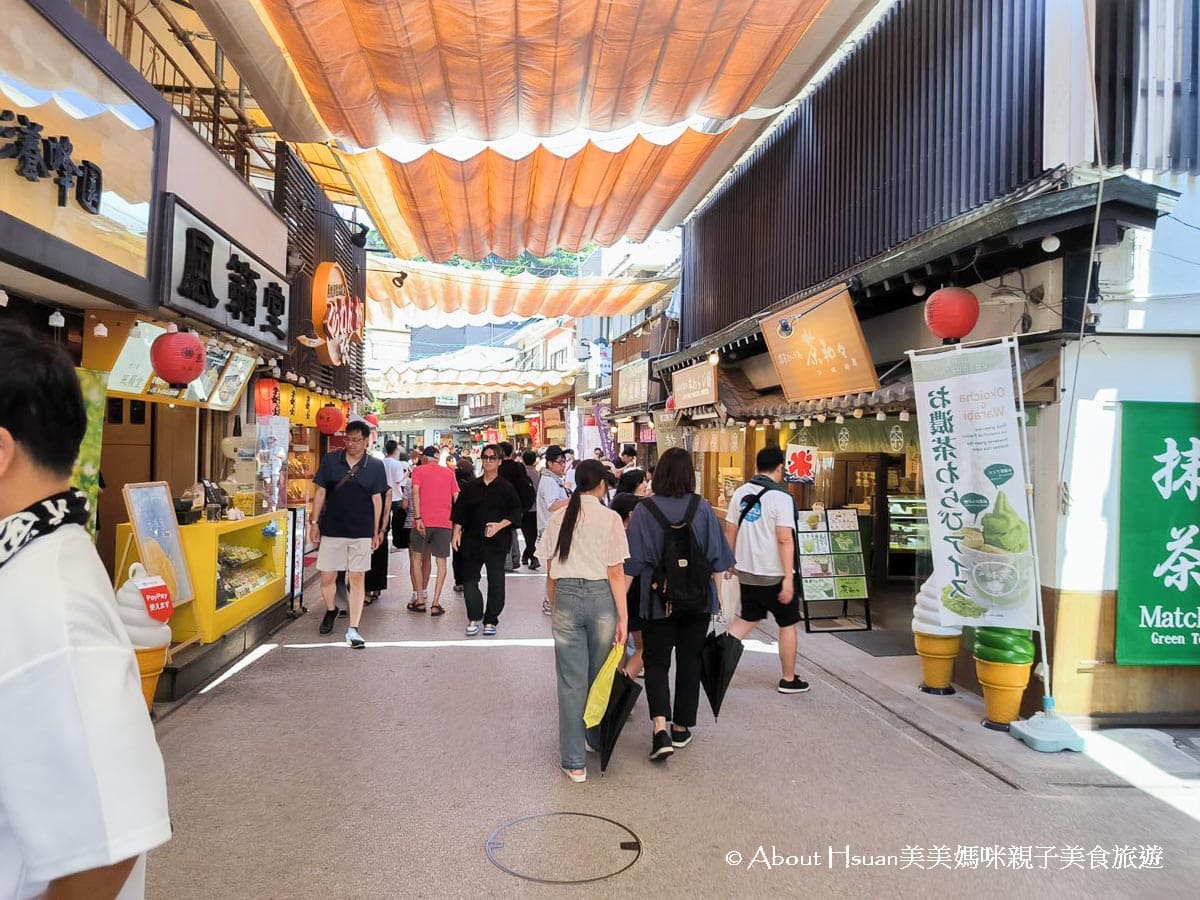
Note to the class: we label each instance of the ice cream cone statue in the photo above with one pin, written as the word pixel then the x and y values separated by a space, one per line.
pixel 1003 658
pixel 150 638
pixel 936 644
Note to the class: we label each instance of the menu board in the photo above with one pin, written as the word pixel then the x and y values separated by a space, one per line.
pixel 219 386
pixel 132 372
pixel 232 383
pixel 215 360
pixel 831 555
pixel 152 515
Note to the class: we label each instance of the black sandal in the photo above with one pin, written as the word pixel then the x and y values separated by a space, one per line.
pixel 436 610
pixel 416 606
pixel 370 597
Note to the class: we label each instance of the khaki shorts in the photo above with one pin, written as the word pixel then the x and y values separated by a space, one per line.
pixel 337 554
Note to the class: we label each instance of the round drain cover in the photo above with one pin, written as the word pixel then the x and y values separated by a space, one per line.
pixel 563 848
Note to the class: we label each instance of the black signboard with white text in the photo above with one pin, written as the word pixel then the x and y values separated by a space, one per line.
pixel 213 279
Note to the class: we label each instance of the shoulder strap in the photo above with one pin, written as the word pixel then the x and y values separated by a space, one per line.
pixel 657 513
pixel 749 506
pixel 692 506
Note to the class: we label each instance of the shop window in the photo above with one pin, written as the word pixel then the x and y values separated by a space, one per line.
pixel 115 414
pixel 137 412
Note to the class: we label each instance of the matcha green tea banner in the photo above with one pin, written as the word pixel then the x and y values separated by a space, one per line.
pixel 1158 566
pixel 975 486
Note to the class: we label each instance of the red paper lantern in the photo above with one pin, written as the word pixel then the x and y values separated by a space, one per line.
pixel 589 420
pixel 670 403
pixel 951 312
pixel 371 419
pixel 266 397
pixel 330 419
pixel 177 357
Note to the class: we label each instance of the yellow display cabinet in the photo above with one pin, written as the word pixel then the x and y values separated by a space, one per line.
pixel 236 571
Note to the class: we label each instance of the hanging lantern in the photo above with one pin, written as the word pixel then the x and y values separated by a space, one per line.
pixel 951 313
pixel 671 403
pixel 590 420
pixel 371 419
pixel 330 419
pixel 177 357
pixel 266 397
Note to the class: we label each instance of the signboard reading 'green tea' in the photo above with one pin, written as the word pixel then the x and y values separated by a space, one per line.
pixel 1158 569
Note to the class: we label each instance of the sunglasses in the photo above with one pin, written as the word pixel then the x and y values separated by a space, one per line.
pixel 487 457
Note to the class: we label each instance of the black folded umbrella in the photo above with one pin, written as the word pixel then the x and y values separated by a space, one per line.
pixel 718 659
pixel 625 692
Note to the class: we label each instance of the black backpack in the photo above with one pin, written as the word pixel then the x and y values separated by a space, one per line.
pixel 683 575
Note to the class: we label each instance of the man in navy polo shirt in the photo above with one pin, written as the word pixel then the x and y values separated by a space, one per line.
pixel 348 523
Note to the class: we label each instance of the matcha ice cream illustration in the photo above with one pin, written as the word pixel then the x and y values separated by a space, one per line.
pixel 1004 529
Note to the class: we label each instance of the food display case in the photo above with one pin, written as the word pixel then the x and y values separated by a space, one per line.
pixel 908 535
pixel 303 458
pixel 237 569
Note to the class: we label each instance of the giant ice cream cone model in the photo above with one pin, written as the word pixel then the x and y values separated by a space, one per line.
pixel 936 644
pixel 1003 658
pixel 150 638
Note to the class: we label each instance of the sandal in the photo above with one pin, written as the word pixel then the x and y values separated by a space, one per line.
pixel 436 610
pixel 416 606
pixel 370 598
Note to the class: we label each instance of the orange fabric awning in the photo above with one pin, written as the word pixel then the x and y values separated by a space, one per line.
pixel 434 293
pixel 435 206
pixel 424 72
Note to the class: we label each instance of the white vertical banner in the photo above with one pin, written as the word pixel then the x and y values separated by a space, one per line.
pixel 979 512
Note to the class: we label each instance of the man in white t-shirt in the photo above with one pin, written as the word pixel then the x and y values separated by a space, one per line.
pixel 83 794
pixel 399 470
pixel 761 527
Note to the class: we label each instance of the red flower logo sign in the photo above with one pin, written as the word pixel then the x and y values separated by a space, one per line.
pixel 801 463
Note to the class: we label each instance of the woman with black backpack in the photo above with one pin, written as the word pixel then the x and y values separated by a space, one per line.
pixel 676 545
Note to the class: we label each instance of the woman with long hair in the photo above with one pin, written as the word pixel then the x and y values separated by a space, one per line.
pixel 667 628
pixel 585 550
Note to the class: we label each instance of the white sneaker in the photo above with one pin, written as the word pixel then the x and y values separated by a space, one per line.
pixel 354 639
pixel 472 629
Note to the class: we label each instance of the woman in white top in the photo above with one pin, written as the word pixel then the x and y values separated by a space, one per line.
pixel 585 548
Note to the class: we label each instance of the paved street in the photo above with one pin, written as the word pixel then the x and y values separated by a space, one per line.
pixel 318 771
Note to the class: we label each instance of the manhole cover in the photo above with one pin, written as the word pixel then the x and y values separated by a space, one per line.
pixel 563 848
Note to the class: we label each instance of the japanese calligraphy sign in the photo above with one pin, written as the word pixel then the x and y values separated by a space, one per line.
pixel 975 481
pixel 217 281
pixel 633 384
pixel 695 386
pixel 818 349
pixel 1158 566
pixel 800 464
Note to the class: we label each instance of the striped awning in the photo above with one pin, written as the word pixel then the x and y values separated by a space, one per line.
pixel 415 294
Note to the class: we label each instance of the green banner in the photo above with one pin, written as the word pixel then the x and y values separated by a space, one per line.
pixel 864 435
pixel 1158 577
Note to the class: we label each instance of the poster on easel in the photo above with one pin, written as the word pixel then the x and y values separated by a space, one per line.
pixel 156 531
pixel 831 560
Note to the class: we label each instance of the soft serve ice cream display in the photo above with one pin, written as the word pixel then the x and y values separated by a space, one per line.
pixel 936 644
pixel 144 631
pixel 150 637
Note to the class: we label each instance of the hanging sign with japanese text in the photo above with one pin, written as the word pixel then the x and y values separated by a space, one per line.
pixel 340 317
pixel 818 349
pixel 695 386
pixel 1158 566
pixel 216 281
pixel 632 384
pixel 975 486
pixel 77 151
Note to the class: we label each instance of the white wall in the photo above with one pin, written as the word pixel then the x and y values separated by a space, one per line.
pixel 1112 369
pixel 201 178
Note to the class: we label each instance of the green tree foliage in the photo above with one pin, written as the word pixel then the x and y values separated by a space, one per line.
pixel 560 262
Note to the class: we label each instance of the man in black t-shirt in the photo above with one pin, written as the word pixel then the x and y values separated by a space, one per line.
pixel 483 517
pixel 513 470
pixel 348 523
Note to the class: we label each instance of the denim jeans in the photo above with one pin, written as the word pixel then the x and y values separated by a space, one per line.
pixel 584 623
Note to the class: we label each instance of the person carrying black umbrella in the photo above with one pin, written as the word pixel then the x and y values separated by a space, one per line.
pixel 585 550
pixel 677 547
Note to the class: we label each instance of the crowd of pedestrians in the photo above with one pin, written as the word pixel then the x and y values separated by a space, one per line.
pixel 633 557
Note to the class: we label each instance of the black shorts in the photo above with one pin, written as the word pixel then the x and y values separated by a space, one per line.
pixel 760 599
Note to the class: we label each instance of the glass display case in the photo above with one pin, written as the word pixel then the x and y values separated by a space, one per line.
pixel 303 458
pixel 908 534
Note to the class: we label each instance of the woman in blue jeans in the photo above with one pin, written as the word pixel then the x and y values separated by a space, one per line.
pixel 585 548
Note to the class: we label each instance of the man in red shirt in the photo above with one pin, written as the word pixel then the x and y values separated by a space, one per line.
pixel 434 489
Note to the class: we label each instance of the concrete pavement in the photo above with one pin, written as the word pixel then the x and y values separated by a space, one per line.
pixel 320 772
